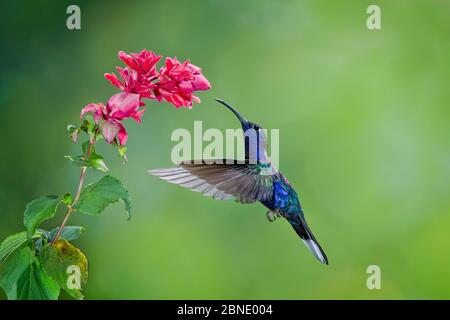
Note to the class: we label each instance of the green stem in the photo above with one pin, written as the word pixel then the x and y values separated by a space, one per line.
pixel 77 197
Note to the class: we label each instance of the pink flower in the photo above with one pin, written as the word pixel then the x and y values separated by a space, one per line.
pixel 138 76
pixel 177 82
pixel 132 82
pixel 144 62
pixel 120 106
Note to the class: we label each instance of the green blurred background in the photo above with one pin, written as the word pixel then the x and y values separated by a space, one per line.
pixel 364 131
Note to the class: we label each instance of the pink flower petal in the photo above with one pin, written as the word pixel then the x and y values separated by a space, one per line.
pixel 96 108
pixel 138 115
pixel 109 130
pixel 178 81
pixel 122 136
pixel 111 77
pixel 128 60
pixel 123 105
pixel 144 62
pixel 201 83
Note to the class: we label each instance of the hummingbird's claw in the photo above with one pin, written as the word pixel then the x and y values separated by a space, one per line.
pixel 271 216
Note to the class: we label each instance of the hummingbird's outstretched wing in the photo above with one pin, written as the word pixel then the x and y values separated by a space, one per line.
pixel 225 180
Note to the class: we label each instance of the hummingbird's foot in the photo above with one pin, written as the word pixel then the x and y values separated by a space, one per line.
pixel 271 216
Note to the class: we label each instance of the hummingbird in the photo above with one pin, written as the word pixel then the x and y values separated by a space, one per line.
pixel 247 181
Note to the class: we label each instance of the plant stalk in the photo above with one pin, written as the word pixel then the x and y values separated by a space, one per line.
pixel 77 197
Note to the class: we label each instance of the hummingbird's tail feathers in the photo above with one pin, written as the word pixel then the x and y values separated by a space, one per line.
pixel 308 238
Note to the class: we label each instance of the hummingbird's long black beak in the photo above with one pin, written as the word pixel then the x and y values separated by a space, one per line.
pixel 244 122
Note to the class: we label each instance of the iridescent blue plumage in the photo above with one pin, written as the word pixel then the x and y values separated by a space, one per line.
pixel 250 181
pixel 284 200
pixel 280 197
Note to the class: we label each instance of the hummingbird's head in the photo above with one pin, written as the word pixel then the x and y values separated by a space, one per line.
pixel 255 140
pixel 253 126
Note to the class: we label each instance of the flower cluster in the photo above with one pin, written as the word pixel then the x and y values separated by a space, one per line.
pixel 175 82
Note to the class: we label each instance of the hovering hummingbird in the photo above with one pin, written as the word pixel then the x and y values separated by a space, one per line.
pixel 254 179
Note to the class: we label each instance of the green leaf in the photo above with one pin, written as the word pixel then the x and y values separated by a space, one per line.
pixel 72 131
pixel 122 151
pixel 67 199
pixel 88 126
pixel 67 265
pixel 85 147
pixel 97 196
pixel 95 161
pixel 15 241
pixel 22 278
pixel 11 243
pixel 39 210
pixel 79 161
pixel 69 233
